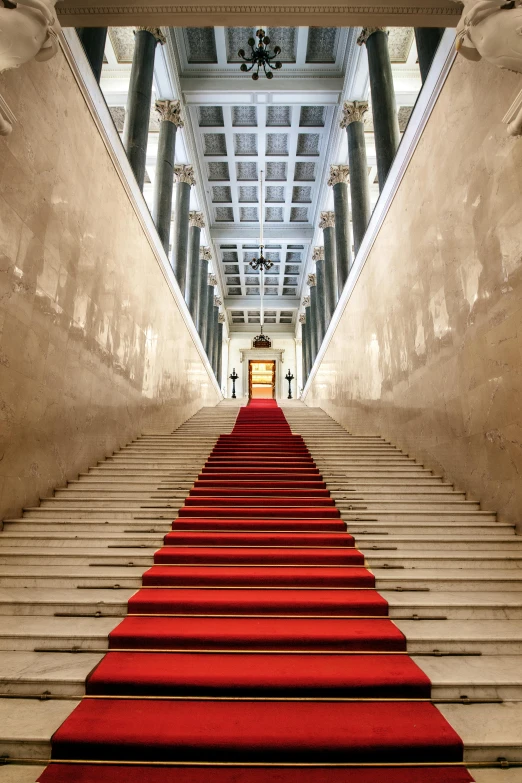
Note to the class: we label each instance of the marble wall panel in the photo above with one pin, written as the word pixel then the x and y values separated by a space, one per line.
pixel 428 351
pixel 93 348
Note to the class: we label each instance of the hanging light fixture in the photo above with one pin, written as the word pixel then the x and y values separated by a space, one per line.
pixel 261 263
pixel 260 57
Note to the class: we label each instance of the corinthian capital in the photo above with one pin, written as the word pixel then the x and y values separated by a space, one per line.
pixel 155 31
pixel 318 254
pixel 217 301
pixel 205 253
pixel 302 318
pixel 311 280
pixel 353 111
pixel 212 279
pixel 339 173
pixel 169 111
pixel 367 31
pixel 184 173
pixel 306 301
pixel 327 220
pixel 222 318
pixel 196 220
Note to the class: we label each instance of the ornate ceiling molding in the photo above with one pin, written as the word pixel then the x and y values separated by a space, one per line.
pixel 172 15
pixel 196 220
pixel 353 111
pixel 169 111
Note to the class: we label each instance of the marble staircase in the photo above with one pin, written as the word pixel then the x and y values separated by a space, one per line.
pixel 451 573
pixel 68 568
pixel 449 570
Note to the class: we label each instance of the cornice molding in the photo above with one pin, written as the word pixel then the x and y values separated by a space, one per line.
pixel 257 10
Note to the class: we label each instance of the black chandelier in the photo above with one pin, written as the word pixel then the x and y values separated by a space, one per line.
pixel 262 263
pixel 260 56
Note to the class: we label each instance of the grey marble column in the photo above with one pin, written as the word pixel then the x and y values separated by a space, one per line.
pixel 209 333
pixel 308 328
pixel 427 40
pixel 215 335
pixel 384 109
pixel 343 244
pixel 183 179
pixel 304 346
pixel 322 325
pixel 170 121
pixel 137 116
pixel 327 223
pixel 93 41
pixel 315 343
pixel 219 373
pixel 196 223
pixel 353 121
pixel 201 324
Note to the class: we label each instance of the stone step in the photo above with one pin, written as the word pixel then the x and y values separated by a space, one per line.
pixel 488 731
pixel 448 579
pixel 409 559
pixel 27 725
pixel 434 494
pixel 116 527
pixel 72 577
pixel 427 515
pixel 30 632
pixel 105 510
pixel 455 605
pixel 62 556
pixel 26 673
pixel 403 504
pixel 440 544
pixel 491 677
pixel 48 601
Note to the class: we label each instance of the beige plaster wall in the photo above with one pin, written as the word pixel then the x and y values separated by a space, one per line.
pixel 428 351
pixel 93 348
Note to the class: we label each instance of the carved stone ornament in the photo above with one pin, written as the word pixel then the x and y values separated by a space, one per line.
pixel 170 111
pixel 367 31
pixel 205 253
pixel 28 31
pixel 306 301
pixel 212 279
pixel 327 220
pixel 302 318
pixel 339 173
pixel 184 172
pixel 196 220
pixel 492 29
pixel 311 280
pixel 217 300
pixel 318 253
pixel 353 111
pixel 222 319
pixel 155 31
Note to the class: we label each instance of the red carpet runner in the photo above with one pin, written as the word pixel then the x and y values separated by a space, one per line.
pixel 258 643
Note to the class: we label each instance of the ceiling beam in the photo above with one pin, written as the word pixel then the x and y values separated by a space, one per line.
pixel 319 89
pixel 243 234
pixel 269 303
pixel 170 13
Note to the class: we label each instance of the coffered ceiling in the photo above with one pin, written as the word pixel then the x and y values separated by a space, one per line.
pixel 281 129
pixel 288 128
